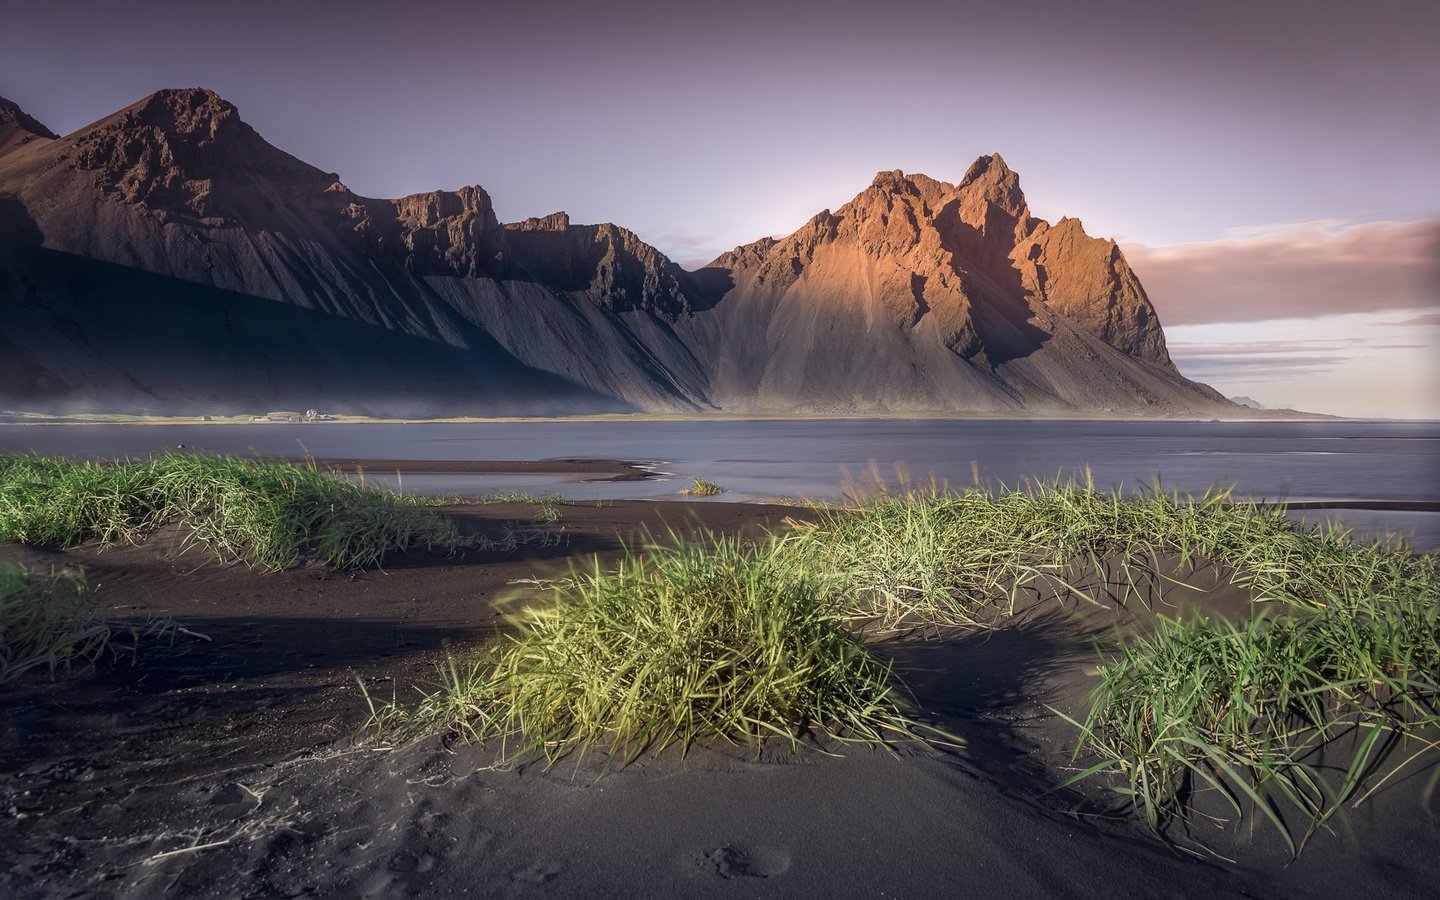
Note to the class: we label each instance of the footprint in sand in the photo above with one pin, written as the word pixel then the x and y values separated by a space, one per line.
pixel 732 861
pixel 538 873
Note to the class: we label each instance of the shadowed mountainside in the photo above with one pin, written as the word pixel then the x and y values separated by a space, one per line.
pixel 168 258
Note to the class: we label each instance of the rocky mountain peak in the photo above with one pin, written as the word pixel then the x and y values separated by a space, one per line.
pixel 187 153
pixel 556 221
pixel 18 128
pixel 611 265
pixel 932 191
pixel 888 185
pixel 989 181
pixel 186 111
pixel 890 178
pixel 966 257
pixel 12 114
pixel 431 208
pixel 992 164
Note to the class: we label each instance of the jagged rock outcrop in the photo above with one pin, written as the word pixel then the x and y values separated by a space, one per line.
pixel 437 233
pixel 168 257
pixel 610 264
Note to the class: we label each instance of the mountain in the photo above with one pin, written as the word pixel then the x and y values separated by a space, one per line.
pixel 919 294
pixel 1247 402
pixel 168 258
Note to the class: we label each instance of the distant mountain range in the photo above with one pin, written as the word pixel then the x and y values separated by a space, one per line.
pixel 167 258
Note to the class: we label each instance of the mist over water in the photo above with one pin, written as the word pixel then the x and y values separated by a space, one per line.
pixel 826 459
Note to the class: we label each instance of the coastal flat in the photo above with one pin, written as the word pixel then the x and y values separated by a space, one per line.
pixel 227 767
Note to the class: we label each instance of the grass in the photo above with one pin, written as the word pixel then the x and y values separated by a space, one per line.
pixel 547 504
pixel 1298 711
pixel 1344 649
pixel 269 515
pixel 941 558
pixel 699 487
pixel 52 621
pixel 721 639
pixel 46 620
pixel 714 638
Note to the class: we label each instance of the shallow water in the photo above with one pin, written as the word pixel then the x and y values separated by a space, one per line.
pixel 823 459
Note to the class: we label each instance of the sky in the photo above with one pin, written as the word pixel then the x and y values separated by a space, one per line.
pixel 1269 168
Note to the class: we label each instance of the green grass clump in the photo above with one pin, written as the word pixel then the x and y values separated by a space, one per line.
pixel 514 495
pixel 714 638
pixel 266 514
pixel 1342 661
pixel 46 620
pixel 946 558
pixel 1247 711
pixel 1328 692
pixel 700 487
pixel 547 505
pixel 52 621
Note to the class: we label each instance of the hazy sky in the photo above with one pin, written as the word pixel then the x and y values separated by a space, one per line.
pixel 1212 139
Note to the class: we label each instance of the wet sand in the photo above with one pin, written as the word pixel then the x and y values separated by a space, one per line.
pixel 227 768
pixel 585 469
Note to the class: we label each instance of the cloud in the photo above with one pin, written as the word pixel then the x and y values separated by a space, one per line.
pixel 687 240
pixel 1429 319
pixel 1254 370
pixel 1263 361
pixel 1295 271
pixel 1257 348
pixel 1355 364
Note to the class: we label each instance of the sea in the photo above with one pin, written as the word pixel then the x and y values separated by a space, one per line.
pixel 1370 466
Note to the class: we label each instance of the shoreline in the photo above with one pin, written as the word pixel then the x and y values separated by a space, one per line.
pixel 608 470
pixel 629 470
pixel 600 469
pixel 22 418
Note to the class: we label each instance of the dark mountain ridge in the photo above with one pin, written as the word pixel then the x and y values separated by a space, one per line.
pixel 168 258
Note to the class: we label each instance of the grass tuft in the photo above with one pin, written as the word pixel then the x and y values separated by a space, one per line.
pixel 46 620
pixel 942 558
pixel 266 514
pixel 699 487
pixel 715 638
pixel 1345 646
pixel 1253 712
pixel 547 505
pixel 52 621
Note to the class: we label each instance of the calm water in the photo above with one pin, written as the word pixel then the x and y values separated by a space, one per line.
pixel 821 459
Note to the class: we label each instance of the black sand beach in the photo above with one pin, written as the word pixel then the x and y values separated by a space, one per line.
pixel 228 768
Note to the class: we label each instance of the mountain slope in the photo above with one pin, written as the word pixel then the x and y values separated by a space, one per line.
pixel 178 187
pixel 168 257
